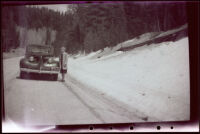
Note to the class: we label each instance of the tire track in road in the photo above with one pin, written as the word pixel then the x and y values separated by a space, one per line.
pixel 109 103
pixel 85 104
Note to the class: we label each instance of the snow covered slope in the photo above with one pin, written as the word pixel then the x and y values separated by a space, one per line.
pixel 142 40
pixel 153 79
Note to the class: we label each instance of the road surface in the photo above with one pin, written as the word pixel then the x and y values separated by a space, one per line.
pixel 43 102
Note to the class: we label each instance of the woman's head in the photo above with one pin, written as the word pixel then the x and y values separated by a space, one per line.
pixel 63 49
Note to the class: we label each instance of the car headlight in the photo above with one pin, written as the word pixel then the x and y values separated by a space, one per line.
pixel 50 60
pixel 50 65
pixel 31 58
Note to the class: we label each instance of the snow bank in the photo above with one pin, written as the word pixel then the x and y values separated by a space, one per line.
pixel 153 79
pixel 14 53
pixel 138 40
pixel 172 31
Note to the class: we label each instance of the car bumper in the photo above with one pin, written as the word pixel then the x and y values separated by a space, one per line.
pixel 39 71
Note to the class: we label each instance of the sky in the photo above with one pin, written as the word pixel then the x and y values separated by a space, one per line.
pixel 56 7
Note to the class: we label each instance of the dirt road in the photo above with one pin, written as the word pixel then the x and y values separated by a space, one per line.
pixel 43 102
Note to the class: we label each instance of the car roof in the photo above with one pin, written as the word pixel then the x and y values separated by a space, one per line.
pixel 39 45
pixel 32 46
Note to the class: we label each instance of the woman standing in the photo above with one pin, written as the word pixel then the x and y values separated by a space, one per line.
pixel 63 63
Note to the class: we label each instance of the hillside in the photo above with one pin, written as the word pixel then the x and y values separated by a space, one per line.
pixel 146 39
pixel 152 79
pixel 90 27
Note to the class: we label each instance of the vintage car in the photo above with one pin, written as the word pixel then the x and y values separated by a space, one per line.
pixel 40 60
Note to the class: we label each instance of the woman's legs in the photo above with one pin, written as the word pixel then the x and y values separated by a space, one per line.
pixel 63 76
